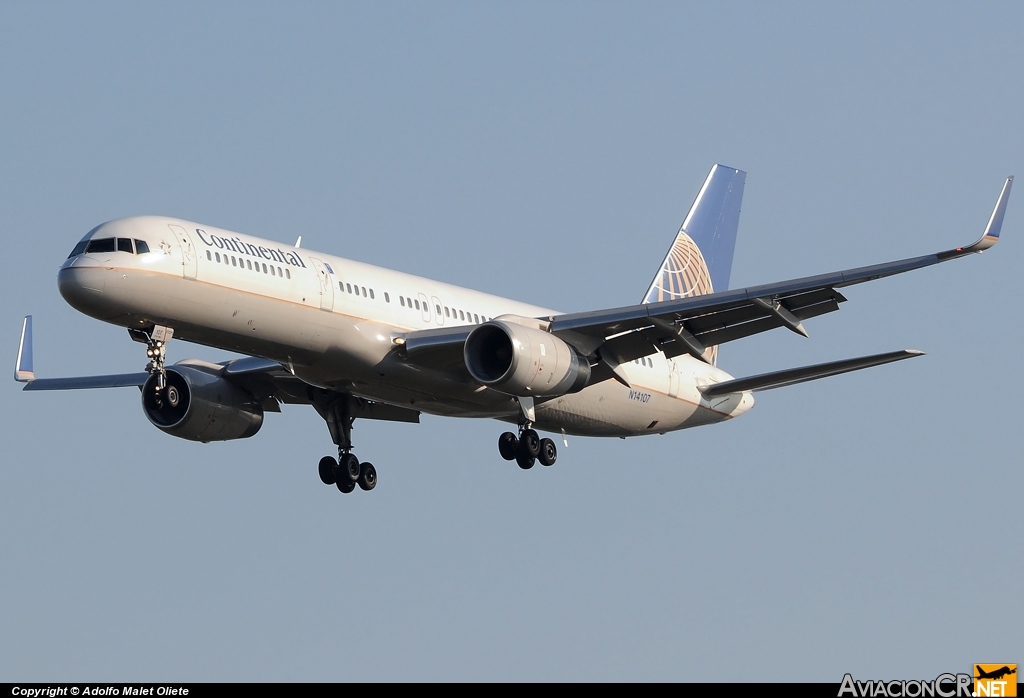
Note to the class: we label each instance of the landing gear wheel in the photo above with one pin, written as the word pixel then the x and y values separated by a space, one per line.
pixel 548 452
pixel 368 477
pixel 529 443
pixel 328 470
pixel 349 467
pixel 345 485
pixel 173 396
pixel 525 460
pixel 508 445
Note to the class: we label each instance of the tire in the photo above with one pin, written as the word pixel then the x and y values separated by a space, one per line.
pixel 508 445
pixel 345 485
pixel 349 466
pixel 529 443
pixel 525 461
pixel 367 477
pixel 548 452
pixel 328 470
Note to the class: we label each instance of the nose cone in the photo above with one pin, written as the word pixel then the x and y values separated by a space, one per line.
pixel 81 284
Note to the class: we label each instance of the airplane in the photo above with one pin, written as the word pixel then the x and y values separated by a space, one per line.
pixel 357 341
pixel 996 674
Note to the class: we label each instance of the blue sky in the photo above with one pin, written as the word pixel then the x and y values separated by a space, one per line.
pixel 546 152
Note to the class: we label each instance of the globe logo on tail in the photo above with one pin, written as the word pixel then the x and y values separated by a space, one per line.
pixel 683 274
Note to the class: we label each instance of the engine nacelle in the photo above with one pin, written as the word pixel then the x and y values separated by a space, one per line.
pixel 198 406
pixel 524 361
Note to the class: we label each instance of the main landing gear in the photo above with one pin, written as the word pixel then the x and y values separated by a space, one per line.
pixel 346 472
pixel 527 448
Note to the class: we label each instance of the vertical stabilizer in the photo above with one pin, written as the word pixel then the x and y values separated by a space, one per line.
pixel 700 259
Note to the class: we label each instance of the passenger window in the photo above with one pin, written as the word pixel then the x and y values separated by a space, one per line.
pixel 401 300
pixel 248 264
pixel 101 245
pixel 264 268
pixel 225 260
pixel 387 298
pixel 364 291
pixel 141 247
pixel 218 256
pixel 125 245
pixel 476 318
pixel 233 261
pixel 79 249
pixel 417 304
pixel 438 310
pixel 462 315
pixel 446 313
pixel 272 273
pixel 349 287
pixel 208 255
pixel 371 294
pixel 287 273
pixel 279 273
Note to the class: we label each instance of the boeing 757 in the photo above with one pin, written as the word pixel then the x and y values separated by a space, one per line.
pixel 357 341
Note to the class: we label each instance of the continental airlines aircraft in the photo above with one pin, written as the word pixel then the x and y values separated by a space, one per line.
pixel 357 341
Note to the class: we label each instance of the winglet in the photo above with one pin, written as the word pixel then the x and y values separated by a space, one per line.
pixel 23 372
pixel 995 222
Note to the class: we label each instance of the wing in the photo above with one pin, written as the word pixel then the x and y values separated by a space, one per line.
pixel 690 325
pixel 269 382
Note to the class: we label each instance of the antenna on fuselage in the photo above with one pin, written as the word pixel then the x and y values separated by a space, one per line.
pixel 298 243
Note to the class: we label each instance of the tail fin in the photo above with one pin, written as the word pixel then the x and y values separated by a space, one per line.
pixel 700 259
pixel 710 226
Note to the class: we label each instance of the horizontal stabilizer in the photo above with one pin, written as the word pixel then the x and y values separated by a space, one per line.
pixel 792 376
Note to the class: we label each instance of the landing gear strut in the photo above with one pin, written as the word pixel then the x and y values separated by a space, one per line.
pixel 346 472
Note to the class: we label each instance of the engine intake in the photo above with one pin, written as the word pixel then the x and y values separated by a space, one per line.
pixel 524 361
pixel 198 406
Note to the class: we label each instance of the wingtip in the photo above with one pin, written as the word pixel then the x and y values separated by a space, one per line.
pixel 995 223
pixel 23 372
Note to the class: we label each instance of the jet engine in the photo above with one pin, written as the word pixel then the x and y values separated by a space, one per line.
pixel 199 406
pixel 524 361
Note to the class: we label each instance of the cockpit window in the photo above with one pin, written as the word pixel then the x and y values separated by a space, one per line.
pixel 101 245
pixel 141 247
pixel 79 249
pixel 125 245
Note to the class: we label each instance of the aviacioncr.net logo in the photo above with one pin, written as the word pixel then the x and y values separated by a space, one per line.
pixel 943 686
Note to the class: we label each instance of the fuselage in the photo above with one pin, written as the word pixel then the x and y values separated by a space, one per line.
pixel 333 322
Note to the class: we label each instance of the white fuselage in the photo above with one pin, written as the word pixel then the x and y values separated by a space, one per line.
pixel 333 322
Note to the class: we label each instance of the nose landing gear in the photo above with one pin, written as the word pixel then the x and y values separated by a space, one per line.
pixel 156 340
